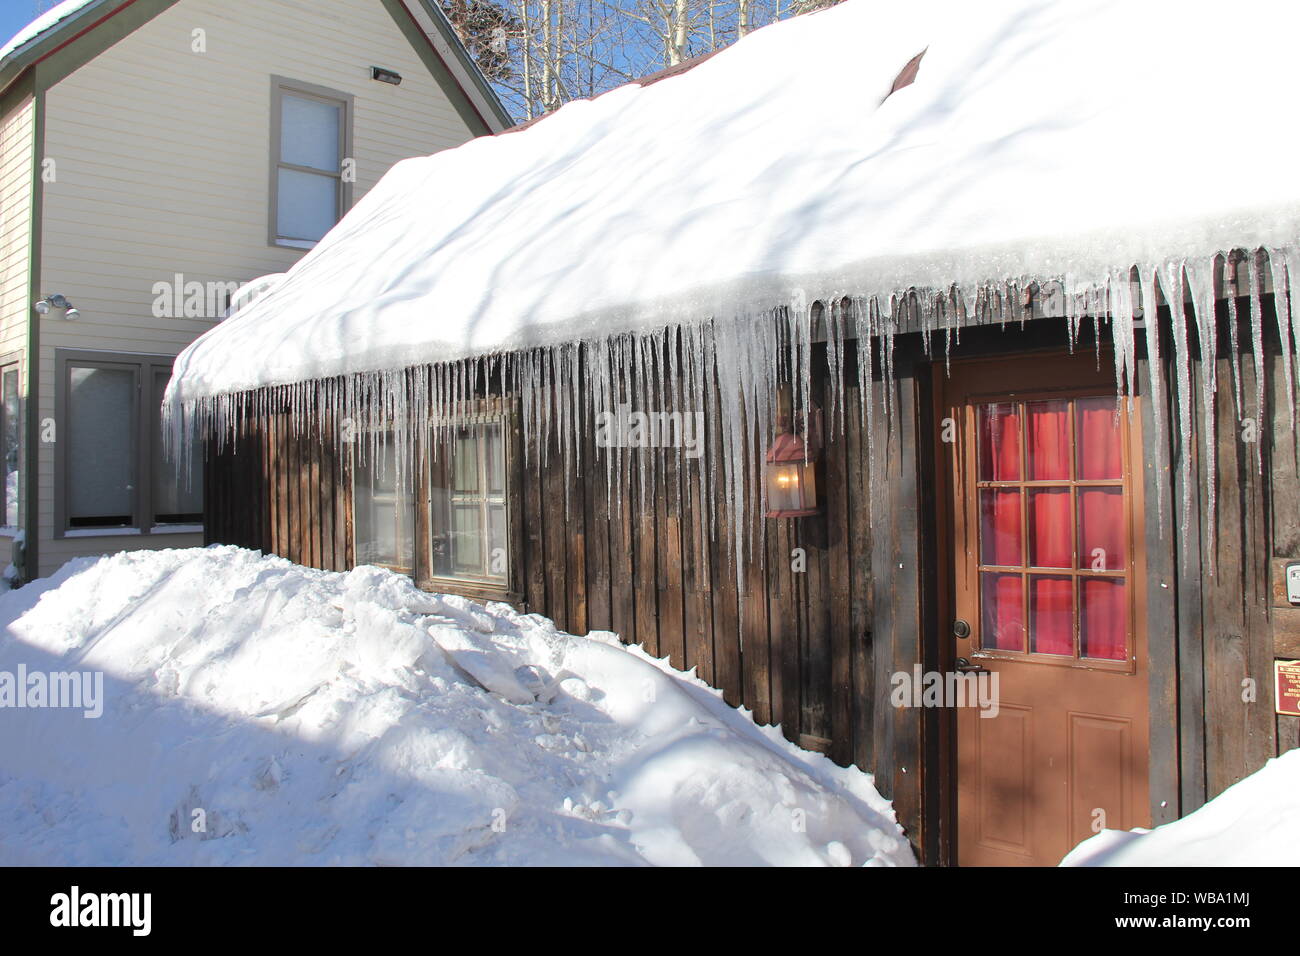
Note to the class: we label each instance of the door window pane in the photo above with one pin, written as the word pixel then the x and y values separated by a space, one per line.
pixel 1051 615
pixel 1101 529
pixel 383 517
pixel 1000 538
pixel 101 447
pixel 178 485
pixel 1103 619
pixel 1098 439
pixel 1048 446
pixel 999 442
pixel 1003 624
pixel 10 429
pixel 1051 543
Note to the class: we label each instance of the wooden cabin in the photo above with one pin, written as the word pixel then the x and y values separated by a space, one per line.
pixel 1091 493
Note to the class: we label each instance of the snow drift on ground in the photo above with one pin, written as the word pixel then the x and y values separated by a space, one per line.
pixel 1049 139
pixel 1255 822
pixel 324 718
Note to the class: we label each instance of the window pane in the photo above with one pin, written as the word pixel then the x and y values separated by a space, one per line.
pixel 178 485
pixel 101 447
pixel 1051 615
pixel 495 453
pixel 1048 448
pixel 1050 538
pixel 465 463
pixel 1103 619
pixel 1098 437
pixel 467 539
pixel 1101 529
pixel 383 511
pixel 1002 612
pixel 999 443
pixel 9 432
pixel 306 205
pixel 309 133
pixel 1000 539
pixel 467 507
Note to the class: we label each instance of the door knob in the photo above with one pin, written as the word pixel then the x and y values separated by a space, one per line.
pixel 966 667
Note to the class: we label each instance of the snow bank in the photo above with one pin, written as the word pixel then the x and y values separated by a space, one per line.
pixel 1066 139
pixel 312 718
pixel 1252 823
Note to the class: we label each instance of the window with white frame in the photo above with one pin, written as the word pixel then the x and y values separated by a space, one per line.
pixel 467 505
pixel 444 519
pixel 383 508
pixel 111 467
pixel 310 136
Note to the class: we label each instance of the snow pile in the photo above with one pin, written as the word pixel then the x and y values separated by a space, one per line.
pixel 256 712
pixel 46 21
pixel 1252 823
pixel 1053 139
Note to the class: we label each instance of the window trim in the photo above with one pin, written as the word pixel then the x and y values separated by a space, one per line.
pixel 15 359
pixel 147 434
pixel 426 497
pixel 279 86
pixel 506 412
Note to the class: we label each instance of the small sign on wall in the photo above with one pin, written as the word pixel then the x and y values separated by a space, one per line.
pixel 1287 674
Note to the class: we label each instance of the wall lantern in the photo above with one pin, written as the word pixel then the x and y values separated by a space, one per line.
pixel 790 471
pixel 57 301
pixel 391 77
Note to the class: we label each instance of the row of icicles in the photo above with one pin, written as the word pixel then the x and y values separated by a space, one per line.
pixel 731 370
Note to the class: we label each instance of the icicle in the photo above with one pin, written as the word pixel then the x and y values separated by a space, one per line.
pixel 1230 290
pixel 1200 282
pixel 1171 280
pixel 1255 278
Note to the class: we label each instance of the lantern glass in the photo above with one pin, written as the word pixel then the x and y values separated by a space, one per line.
pixel 791 489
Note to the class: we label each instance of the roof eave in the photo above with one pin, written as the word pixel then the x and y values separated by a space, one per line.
pixel 479 90
pixel 47 41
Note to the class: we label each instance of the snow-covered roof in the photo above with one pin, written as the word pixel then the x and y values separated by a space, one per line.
pixel 1066 139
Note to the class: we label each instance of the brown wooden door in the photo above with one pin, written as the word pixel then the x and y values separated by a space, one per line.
pixel 1047 574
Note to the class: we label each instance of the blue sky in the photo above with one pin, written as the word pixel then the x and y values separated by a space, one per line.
pixel 16 14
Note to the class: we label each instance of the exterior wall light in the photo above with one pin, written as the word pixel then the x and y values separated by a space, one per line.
pixel 57 301
pixel 790 471
pixel 385 76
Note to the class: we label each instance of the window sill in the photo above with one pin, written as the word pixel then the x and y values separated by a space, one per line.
pixel 471 589
pixel 302 244
pixel 10 532
pixel 163 529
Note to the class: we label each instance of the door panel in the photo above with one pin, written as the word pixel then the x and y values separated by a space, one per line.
pixel 1046 562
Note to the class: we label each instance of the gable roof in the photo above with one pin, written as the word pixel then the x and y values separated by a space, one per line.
pixel 69 20
pixel 1040 140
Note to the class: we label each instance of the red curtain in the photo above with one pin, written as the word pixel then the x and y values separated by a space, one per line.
pixel 1050 535
pixel 999 430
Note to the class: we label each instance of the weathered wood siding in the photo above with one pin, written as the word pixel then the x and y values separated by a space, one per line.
pixel 814 649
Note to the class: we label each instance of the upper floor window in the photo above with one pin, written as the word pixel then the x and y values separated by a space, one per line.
pixel 311 131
